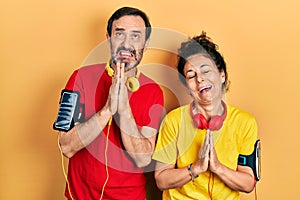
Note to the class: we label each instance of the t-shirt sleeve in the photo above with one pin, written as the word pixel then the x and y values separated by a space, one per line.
pixel 166 146
pixel 75 84
pixel 249 137
pixel 156 110
pixel 147 106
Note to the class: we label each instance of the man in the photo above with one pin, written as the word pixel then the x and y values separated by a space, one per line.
pixel 122 110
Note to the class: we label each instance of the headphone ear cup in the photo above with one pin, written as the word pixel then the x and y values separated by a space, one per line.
pixel 216 123
pixel 132 84
pixel 200 122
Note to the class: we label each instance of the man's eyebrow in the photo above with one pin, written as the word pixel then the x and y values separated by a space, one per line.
pixel 123 29
pixel 136 31
pixel 119 29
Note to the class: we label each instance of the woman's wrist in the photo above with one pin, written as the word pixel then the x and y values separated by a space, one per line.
pixel 191 172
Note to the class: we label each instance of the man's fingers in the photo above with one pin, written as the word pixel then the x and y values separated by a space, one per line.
pixel 122 70
pixel 118 64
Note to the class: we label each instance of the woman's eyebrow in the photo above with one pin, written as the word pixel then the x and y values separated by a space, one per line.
pixel 203 65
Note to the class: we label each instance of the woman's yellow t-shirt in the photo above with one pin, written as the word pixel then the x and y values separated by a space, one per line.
pixel 179 143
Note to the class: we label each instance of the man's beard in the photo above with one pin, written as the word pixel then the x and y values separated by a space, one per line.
pixel 131 63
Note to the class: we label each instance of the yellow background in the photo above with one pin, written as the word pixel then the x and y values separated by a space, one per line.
pixel 42 42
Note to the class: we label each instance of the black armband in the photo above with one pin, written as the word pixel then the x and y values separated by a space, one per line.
pixel 70 111
pixel 253 160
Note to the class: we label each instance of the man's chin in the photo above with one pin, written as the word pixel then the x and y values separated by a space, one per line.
pixel 129 66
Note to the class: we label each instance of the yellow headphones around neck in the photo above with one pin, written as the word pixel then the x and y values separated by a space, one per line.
pixel 132 83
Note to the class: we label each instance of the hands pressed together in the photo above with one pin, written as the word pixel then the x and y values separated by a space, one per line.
pixel 207 157
pixel 117 100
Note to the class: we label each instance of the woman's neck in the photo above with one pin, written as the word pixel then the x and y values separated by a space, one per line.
pixel 209 110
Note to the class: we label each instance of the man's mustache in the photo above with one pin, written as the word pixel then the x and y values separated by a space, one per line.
pixel 122 48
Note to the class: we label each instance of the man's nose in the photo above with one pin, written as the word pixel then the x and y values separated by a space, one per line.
pixel 126 42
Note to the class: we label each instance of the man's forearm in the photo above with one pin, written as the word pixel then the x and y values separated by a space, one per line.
pixel 138 143
pixel 83 134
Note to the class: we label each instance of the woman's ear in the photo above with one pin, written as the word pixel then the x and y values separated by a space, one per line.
pixel 223 77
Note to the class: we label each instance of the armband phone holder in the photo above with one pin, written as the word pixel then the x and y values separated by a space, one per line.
pixel 253 160
pixel 69 112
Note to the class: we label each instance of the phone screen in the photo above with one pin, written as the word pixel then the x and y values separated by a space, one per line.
pixel 65 117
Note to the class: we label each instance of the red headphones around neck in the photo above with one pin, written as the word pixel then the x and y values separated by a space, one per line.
pixel 215 123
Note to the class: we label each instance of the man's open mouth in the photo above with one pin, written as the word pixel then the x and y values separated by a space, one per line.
pixel 125 54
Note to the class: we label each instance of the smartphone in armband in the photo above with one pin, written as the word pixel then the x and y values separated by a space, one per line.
pixel 253 160
pixel 69 112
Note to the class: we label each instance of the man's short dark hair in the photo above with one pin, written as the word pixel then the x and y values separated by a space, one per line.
pixel 129 11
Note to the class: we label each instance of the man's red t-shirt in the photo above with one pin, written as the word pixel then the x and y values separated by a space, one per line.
pixel 87 169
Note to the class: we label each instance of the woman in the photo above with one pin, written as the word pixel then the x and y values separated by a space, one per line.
pixel 199 144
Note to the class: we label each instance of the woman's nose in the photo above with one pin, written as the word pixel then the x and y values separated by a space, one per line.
pixel 199 78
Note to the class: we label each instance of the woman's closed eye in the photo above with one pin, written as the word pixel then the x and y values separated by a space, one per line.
pixel 191 75
pixel 204 69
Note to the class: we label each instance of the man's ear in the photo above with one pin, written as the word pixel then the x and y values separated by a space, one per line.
pixel 147 44
pixel 108 39
pixel 107 36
